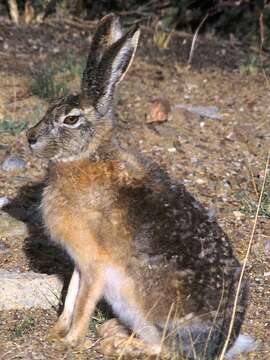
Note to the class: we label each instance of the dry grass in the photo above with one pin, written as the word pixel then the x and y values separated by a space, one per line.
pixel 245 261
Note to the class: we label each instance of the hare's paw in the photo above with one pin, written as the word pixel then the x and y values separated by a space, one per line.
pixel 116 342
pixel 58 331
pixel 67 342
pixel 112 327
pixel 76 338
pixel 128 348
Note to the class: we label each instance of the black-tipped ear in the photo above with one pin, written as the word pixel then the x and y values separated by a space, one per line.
pixel 108 31
pixel 111 70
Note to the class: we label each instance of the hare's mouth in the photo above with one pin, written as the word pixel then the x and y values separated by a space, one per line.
pixel 43 149
pixel 38 146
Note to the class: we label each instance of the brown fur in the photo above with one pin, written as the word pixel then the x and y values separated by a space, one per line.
pixel 136 236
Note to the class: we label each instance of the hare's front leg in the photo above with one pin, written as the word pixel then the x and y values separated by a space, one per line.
pixel 90 292
pixel 63 323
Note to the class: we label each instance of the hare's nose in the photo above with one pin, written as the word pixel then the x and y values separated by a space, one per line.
pixel 32 139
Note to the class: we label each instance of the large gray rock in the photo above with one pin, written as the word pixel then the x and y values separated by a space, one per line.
pixel 29 290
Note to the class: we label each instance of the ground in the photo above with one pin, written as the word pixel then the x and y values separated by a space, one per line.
pixel 221 162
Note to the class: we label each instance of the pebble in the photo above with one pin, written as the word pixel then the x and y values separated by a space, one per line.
pixel 12 163
pixel 231 136
pixel 3 201
pixel 172 150
pixel 266 245
pixel 159 111
pixel 200 181
pixel 3 248
pixel 238 215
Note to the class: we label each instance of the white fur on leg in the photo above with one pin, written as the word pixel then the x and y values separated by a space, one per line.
pixel 71 296
pixel 243 344
pixel 123 307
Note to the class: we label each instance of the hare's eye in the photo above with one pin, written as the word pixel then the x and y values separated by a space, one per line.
pixel 71 120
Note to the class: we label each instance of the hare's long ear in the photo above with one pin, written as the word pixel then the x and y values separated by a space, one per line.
pixel 98 89
pixel 108 31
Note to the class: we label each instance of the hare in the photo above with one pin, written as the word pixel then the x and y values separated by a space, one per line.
pixel 137 238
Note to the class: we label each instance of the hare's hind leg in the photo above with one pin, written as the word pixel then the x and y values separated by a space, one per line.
pixel 118 343
pixel 90 291
pixel 63 323
pixel 121 293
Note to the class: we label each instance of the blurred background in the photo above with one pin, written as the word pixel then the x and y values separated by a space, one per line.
pixel 245 19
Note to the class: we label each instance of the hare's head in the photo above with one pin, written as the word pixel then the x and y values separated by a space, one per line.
pixel 74 124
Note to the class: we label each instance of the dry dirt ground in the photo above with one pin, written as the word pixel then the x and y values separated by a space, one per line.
pixel 221 162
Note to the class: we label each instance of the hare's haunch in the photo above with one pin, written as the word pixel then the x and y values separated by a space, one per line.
pixel 138 239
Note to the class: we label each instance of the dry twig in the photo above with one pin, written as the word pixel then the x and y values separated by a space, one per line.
pixel 14 11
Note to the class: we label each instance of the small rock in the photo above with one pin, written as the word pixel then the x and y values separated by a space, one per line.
pixel 11 164
pixel 266 245
pixel 200 181
pixel 194 160
pixel 231 136
pixel 157 148
pixel 202 124
pixel 3 201
pixel 238 215
pixel 16 269
pixel 159 111
pixel 29 290
pixel 55 50
pixel 211 112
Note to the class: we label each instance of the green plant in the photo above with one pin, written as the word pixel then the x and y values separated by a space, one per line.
pixel 45 86
pixel 72 66
pixel 101 314
pixel 22 327
pixel 252 65
pixel 8 125
pixel 51 82
pixel 14 126
pixel 249 200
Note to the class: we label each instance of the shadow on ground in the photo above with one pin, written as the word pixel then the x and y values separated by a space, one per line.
pixel 43 255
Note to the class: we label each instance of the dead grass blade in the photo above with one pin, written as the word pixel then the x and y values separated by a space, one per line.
pixel 195 38
pixel 245 261
pixel 253 181
pixel 164 331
